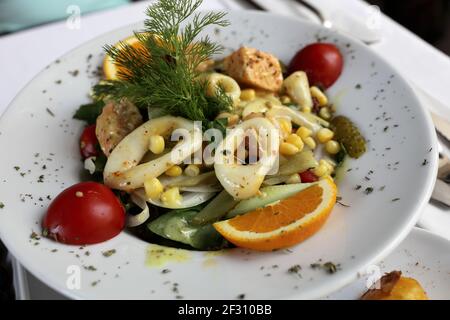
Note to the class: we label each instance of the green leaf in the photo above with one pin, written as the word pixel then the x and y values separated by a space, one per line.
pixel 89 112
pixel 176 225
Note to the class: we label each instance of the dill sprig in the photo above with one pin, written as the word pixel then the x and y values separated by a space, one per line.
pixel 162 73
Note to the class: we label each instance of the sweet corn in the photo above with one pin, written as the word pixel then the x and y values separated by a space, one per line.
pixel 174 171
pixel 153 188
pixel 306 109
pixel 324 113
pixel 321 170
pixel 327 164
pixel 332 147
pixel 295 178
pixel 324 135
pixel 192 170
pixel 172 196
pixel 295 140
pixel 248 94
pixel 285 126
pixel 288 149
pixel 310 142
pixel 286 100
pixel 319 95
pixel 303 132
pixel 156 144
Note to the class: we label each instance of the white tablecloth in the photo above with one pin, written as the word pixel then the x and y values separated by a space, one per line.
pixel 24 54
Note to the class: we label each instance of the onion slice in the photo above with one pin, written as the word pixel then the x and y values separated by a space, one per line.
pixel 140 218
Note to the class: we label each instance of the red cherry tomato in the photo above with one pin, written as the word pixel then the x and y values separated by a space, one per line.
pixel 322 62
pixel 85 213
pixel 89 142
pixel 308 176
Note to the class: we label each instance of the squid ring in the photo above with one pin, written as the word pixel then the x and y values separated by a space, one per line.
pixel 243 181
pixel 123 171
pixel 229 85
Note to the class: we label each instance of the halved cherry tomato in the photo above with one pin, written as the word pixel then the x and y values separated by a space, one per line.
pixel 85 213
pixel 322 62
pixel 308 176
pixel 89 142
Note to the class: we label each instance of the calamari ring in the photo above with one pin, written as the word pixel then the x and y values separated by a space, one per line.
pixel 244 181
pixel 123 171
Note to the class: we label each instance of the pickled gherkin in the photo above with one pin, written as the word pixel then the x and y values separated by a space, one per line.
pixel 349 135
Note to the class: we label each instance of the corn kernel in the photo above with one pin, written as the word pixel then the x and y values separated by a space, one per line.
pixel 321 170
pixel 174 171
pixel 306 109
pixel 295 178
pixel 156 144
pixel 288 149
pixel 172 197
pixel 303 132
pixel 319 95
pixel 285 100
pixel 324 135
pixel 285 126
pixel 248 94
pixel 310 142
pixel 324 113
pixel 295 140
pixel 153 188
pixel 332 147
pixel 327 164
pixel 192 170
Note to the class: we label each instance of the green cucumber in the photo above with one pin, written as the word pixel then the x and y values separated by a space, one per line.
pixel 268 195
pixel 176 225
pixel 216 209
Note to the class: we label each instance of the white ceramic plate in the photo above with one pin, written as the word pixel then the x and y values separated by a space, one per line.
pixel 422 256
pixel 43 146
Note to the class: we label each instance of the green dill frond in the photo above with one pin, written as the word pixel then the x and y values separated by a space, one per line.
pixel 162 72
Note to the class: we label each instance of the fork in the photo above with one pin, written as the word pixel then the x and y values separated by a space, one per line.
pixel 323 20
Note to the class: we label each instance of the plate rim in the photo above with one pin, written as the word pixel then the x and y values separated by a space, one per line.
pixel 345 278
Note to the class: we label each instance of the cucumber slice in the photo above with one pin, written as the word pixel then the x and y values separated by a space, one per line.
pixel 269 195
pixel 298 163
pixel 216 209
pixel 176 225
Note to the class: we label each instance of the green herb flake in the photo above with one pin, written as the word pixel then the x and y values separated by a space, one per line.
pixel 34 236
pixel 50 112
pixel 395 199
pixel 94 283
pixel 2 205
pixel 90 268
pixel 295 269
pixel 109 253
pixel 368 190
pixel 241 296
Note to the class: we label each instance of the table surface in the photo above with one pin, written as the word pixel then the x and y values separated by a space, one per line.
pixel 25 53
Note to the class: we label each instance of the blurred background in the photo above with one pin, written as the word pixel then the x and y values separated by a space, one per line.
pixel 429 19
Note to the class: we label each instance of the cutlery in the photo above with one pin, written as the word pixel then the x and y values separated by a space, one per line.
pixel 345 24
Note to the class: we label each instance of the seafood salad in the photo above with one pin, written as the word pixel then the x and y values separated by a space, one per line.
pixel 186 147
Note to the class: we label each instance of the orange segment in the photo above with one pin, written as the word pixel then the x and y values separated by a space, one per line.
pixel 111 70
pixel 284 223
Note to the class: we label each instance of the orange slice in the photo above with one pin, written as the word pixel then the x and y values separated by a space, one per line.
pixel 284 223
pixel 111 70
